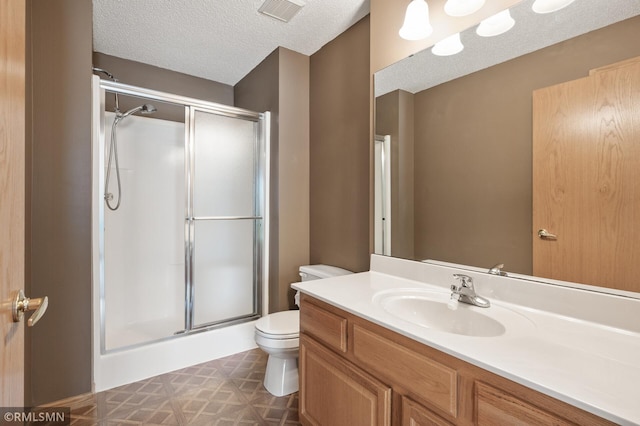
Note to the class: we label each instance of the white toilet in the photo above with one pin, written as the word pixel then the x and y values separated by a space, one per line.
pixel 278 335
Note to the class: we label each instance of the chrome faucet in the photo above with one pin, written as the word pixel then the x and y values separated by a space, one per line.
pixel 466 293
pixel 497 270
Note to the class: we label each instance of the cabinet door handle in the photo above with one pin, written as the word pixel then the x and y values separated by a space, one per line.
pixel 22 304
pixel 546 235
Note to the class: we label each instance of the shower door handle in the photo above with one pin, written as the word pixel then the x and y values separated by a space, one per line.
pixel 22 304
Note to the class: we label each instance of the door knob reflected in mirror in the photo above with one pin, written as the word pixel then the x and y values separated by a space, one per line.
pixel 22 304
pixel 546 235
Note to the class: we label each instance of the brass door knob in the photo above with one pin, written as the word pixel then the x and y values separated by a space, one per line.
pixel 22 304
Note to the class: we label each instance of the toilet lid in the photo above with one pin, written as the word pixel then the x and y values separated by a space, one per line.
pixel 281 324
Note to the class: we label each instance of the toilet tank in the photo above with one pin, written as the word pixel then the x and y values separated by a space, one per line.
pixel 317 272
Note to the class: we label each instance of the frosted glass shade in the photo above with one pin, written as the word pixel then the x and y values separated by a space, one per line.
pixel 495 25
pixel 548 6
pixel 462 7
pixel 449 46
pixel 416 21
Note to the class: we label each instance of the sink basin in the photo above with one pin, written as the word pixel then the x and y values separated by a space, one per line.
pixel 430 310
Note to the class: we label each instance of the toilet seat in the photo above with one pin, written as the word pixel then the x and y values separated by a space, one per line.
pixel 279 345
pixel 279 326
pixel 277 336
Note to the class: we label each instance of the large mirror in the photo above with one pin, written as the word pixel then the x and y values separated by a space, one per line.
pixel 453 157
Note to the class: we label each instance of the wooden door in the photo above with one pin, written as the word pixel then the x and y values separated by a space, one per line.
pixel 586 179
pixel 12 202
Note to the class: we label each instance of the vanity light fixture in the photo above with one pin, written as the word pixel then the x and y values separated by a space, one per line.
pixel 416 21
pixel 462 7
pixel 449 46
pixel 495 25
pixel 548 6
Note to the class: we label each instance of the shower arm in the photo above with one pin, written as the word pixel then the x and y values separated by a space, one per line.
pixel 112 78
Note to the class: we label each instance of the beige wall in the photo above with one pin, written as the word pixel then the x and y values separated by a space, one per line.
pixel 473 150
pixel 58 257
pixel 280 84
pixel 340 150
pixel 293 170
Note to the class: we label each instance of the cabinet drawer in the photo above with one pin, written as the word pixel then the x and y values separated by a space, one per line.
pixel 419 375
pixel 495 406
pixel 325 326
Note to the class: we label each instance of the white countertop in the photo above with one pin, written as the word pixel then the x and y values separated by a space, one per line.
pixel 590 359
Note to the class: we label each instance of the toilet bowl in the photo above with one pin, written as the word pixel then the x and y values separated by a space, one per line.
pixel 278 335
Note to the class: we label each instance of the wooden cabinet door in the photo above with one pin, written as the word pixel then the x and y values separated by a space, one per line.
pixel 433 383
pixel 586 169
pixel 334 392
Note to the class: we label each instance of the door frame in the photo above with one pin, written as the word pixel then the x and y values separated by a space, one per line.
pixel 12 196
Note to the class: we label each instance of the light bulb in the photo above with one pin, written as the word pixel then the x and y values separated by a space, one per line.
pixel 416 21
pixel 495 25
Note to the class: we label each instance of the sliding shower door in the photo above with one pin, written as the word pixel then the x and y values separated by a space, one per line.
pixel 143 238
pixel 185 249
pixel 225 218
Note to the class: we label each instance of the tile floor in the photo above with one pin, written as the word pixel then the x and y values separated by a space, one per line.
pixel 226 391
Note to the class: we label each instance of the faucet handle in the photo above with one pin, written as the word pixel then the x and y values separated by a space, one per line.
pixel 497 270
pixel 465 280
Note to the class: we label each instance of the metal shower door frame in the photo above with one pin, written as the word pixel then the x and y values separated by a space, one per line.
pixel 260 205
pixel 261 244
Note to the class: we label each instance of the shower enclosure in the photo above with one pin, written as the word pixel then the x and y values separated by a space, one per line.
pixel 180 229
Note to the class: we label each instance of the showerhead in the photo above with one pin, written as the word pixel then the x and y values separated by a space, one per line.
pixel 143 109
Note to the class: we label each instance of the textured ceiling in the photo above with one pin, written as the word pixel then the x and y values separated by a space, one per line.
pixel 531 32
pixel 220 40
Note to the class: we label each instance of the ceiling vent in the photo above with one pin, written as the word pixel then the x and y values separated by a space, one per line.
pixel 284 10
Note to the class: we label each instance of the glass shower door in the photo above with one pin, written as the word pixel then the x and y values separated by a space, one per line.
pixel 225 220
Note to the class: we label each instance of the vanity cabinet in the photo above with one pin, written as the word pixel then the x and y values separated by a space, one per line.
pixel 354 372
